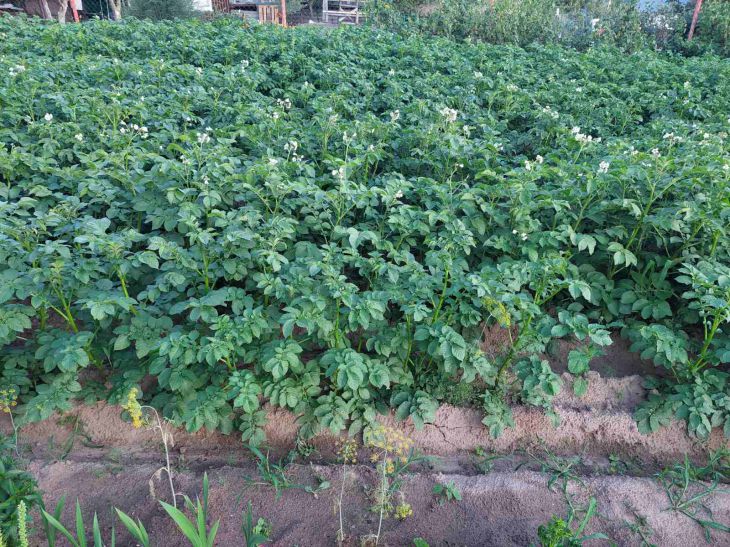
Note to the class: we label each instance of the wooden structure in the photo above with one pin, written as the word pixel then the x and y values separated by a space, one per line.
pixel 272 12
pixel 267 11
pixel 221 6
pixel 54 9
pixel 74 11
pixel 11 9
pixel 275 11
pixel 341 11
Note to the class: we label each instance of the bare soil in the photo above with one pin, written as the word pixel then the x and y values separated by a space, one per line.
pixel 94 455
pixel 499 508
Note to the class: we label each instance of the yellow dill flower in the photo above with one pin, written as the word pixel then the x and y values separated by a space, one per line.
pixel 403 511
pixel 389 441
pixel 134 409
pixel 8 399
pixel 347 451
pixel 389 467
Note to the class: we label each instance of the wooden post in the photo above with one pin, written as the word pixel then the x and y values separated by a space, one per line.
pixel 45 10
pixel 695 15
pixel 74 11
pixel 283 13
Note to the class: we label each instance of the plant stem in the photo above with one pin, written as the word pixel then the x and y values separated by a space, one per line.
pixel 382 503
pixel 123 281
pixel 442 297
pixel 15 433
pixel 168 467
pixel 510 355
pixel 410 340
pixel 701 360
pixel 341 533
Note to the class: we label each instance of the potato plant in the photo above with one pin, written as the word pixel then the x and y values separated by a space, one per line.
pixel 327 221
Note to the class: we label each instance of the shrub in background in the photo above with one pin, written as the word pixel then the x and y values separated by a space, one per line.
pixel 575 23
pixel 588 22
pixel 520 22
pixel 161 9
pixel 714 25
pixel 667 25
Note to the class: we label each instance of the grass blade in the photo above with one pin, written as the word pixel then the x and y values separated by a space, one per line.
pixel 60 527
pixel 97 533
pixel 80 531
pixel 183 523
pixel 136 529
pixel 50 531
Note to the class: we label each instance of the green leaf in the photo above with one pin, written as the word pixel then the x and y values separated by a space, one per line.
pixel 149 258
pixel 136 529
pixel 580 386
pixel 578 361
pixel 61 528
pixel 184 525
pixel 97 533
pixel 80 529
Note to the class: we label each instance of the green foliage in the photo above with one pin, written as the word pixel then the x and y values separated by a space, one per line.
pixel 690 487
pixel 713 26
pixel 562 477
pixel 447 492
pixel 578 365
pixel 539 383
pixel 50 530
pixel 16 486
pixel 555 533
pixel 197 531
pixel 254 535
pixel 640 527
pixel 78 536
pixel 559 533
pixel 575 23
pixel 251 219
pixel 160 10
pixel 136 529
pixel 696 394
pixel 19 535
pixel 273 474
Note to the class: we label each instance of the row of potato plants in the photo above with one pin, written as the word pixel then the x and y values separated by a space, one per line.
pixel 327 221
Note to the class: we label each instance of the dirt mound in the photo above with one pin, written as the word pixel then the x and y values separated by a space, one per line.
pixel 95 455
pixel 599 425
